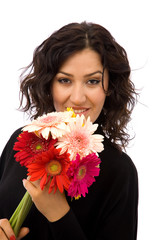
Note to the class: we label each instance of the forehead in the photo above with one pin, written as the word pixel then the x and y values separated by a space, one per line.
pixel 83 60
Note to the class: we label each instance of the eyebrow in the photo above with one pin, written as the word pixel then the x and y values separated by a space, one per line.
pixel 87 75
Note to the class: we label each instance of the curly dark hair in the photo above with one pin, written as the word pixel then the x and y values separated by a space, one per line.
pixel 54 51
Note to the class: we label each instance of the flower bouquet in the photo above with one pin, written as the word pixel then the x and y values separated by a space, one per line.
pixel 58 149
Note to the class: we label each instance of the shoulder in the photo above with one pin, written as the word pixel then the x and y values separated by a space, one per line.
pixel 7 156
pixel 118 165
pixel 15 134
pixel 115 164
pixel 11 141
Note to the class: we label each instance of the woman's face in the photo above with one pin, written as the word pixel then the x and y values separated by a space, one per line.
pixel 78 84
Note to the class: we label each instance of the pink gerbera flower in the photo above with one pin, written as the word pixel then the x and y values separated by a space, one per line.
pixel 53 123
pixel 80 138
pixel 29 145
pixel 82 173
pixel 51 168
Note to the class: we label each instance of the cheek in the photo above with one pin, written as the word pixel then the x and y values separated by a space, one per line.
pixel 98 106
pixel 57 101
pixel 100 103
pixel 99 99
pixel 55 96
pixel 59 98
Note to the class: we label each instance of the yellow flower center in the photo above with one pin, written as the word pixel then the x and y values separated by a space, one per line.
pixel 54 167
pixel 81 173
pixel 38 146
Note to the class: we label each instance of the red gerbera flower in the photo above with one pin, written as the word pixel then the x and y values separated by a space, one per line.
pixel 29 145
pixel 82 173
pixel 51 167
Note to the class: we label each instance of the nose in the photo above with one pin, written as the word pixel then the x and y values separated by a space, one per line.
pixel 78 95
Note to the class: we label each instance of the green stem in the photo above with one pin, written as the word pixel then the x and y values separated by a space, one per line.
pixel 14 216
pixel 21 213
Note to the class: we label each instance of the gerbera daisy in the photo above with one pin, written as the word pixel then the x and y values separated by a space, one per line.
pixel 80 138
pixel 51 167
pixel 82 173
pixel 29 145
pixel 54 123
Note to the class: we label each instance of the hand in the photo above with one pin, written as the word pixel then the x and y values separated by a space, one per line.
pixel 6 231
pixel 52 206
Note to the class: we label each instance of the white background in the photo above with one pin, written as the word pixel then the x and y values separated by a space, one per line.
pixel 136 26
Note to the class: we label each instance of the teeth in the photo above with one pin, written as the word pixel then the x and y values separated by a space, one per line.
pixel 79 111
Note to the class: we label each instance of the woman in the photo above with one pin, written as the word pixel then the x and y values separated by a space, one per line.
pixel 83 67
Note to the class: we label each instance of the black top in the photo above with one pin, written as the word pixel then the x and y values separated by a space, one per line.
pixel 109 210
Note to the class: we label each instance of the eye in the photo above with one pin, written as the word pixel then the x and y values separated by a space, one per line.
pixel 93 82
pixel 64 80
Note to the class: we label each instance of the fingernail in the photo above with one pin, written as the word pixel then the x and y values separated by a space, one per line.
pixel 24 181
pixel 12 237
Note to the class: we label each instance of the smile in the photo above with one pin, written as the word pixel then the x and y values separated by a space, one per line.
pixel 79 111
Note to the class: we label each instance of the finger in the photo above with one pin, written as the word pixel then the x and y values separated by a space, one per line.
pixel 23 232
pixel 35 183
pixel 3 235
pixel 6 231
pixel 28 178
pixel 31 188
